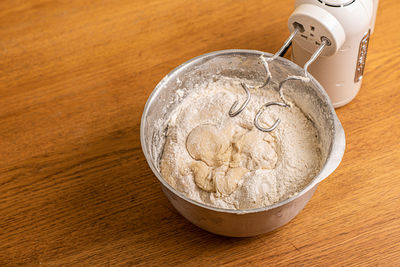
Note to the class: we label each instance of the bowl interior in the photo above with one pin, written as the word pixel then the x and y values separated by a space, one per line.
pixel 245 64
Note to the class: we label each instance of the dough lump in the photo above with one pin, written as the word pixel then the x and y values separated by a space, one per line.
pixel 203 176
pixel 255 150
pixel 212 147
pixel 208 144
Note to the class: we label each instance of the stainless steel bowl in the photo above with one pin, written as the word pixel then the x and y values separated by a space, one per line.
pixel 310 97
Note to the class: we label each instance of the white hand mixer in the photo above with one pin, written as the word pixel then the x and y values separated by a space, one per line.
pixel 348 25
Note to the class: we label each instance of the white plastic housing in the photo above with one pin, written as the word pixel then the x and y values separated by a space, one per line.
pixel 345 26
pixel 316 22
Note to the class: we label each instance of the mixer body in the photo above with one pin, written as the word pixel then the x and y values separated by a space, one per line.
pixel 347 24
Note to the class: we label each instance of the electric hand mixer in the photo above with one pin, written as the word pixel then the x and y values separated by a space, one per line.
pixel 347 24
pixel 336 30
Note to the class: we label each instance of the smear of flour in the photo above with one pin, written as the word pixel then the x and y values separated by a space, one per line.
pixel 260 168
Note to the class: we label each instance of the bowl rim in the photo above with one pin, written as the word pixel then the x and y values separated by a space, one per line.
pixel 192 61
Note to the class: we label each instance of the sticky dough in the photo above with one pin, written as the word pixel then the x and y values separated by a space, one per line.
pixel 212 148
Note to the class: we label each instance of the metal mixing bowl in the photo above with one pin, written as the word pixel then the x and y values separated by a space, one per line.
pixel 310 97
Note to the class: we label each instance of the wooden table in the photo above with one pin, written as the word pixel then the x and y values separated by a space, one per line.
pixel 75 188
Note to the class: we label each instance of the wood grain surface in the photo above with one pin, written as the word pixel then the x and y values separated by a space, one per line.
pixel 75 188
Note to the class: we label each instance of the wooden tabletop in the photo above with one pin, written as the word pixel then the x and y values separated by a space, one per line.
pixel 75 188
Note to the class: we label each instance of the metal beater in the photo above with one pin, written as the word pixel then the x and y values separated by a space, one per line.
pixel 324 42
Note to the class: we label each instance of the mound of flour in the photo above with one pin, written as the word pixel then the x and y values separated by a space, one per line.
pixel 226 162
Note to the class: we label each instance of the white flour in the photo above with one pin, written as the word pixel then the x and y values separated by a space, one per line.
pixel 226 162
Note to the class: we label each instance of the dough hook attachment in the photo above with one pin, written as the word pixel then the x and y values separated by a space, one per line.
pixel 243 106
pixel 276 55
pixel 260 111
pixel 325 42
pixel 306 78
pixel 285 45
pixel 267 71
pixel 290 78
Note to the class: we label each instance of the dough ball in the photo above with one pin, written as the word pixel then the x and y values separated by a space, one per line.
pixel 207 143
pixel 203 176
pixel 227 184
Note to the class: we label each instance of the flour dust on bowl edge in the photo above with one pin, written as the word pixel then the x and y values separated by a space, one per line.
pixel 243 64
